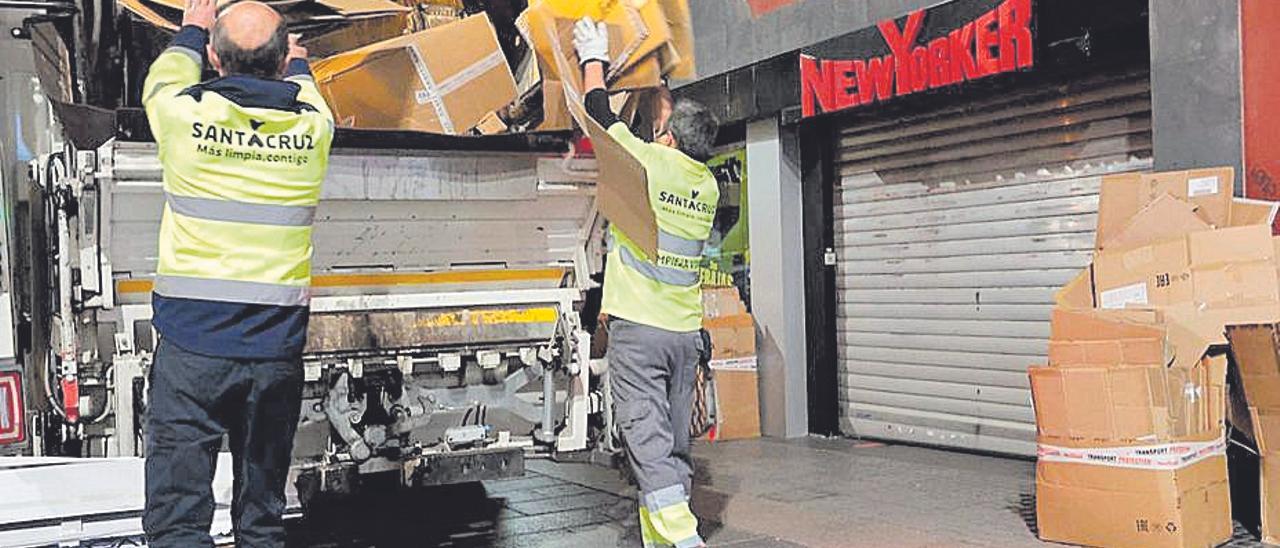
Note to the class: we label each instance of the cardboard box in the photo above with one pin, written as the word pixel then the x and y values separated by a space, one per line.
pixel 731 336
pixel 722 301
pixel 1206 280
pixel 441 80
pixel 1102 505
pixel 1124 405
pixel 738 404
pixel 1124 195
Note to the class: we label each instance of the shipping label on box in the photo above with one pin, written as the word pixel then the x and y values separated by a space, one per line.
pixel 1153 275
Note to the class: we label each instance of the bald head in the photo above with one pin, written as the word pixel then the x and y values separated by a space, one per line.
pixel 249 38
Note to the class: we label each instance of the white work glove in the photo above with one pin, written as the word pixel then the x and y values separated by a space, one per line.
pixel 591 39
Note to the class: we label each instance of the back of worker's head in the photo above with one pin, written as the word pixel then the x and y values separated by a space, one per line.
pixel 693 128
pixel 250 39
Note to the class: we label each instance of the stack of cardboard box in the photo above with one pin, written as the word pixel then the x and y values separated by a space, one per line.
pixel 733 358
pixel 419 65
pixel 1130 407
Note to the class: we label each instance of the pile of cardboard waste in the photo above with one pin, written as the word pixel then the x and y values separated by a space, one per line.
pixel 444 66
pixel 1132 407
pixel 733 362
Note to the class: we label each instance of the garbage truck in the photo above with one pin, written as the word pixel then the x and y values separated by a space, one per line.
pixel 448 340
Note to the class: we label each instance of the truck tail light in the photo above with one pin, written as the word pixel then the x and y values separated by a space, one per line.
pixel 12 412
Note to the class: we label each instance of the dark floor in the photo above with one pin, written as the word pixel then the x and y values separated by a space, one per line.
pixel 753 494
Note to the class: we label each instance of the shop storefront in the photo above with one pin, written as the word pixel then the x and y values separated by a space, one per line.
pixel 950 160
pixel 965 193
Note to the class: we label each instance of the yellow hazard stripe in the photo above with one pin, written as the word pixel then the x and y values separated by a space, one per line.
pixel 490 317
pixel 393 279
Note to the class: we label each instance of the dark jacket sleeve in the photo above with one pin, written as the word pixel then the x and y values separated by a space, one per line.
pixel 597 104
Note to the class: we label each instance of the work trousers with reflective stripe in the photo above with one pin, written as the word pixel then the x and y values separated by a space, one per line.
pixel 652 375
pixel 192 402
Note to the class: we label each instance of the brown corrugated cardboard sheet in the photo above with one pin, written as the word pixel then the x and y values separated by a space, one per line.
pixel 1124 195
pixel 1164 218
pixel 622 187
pixel 398 84
pixel 1256 349
pixel 1137 366
pixel 637 29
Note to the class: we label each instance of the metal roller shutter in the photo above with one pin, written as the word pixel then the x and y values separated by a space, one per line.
pixel 953 231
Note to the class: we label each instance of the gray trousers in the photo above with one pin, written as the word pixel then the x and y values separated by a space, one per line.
pixel 652 377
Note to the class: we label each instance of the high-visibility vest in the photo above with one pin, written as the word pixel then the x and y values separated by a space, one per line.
pixel 241 184
pixel 663 291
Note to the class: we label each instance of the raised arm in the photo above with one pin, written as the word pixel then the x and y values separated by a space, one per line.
pixel 298 70
pixel 591 39
pixel 179 66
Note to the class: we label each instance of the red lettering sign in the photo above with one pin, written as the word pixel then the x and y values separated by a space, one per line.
pixel 997 41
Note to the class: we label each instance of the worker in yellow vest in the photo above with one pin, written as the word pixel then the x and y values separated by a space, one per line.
pixel 654 304
pixel 243 157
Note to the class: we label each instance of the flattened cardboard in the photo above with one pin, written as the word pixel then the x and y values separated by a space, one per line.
pixel 622 188
pixel 409 83
pixel 1231 245
pixel 149 15
pixel 356 34
pixel 1124 195
pixel 1206 281
pixel 1269 476
pixel 1102 506
pixel 1257 354
pixel 1163 219
pixel 738 402
pixel 352 8
pixel 555 111
pixel 1078 293
pixel 678 61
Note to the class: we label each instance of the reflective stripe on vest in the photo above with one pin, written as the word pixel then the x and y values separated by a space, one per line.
pixel 210 289
pixel 679 246
pixel 240 212
pixel 664 274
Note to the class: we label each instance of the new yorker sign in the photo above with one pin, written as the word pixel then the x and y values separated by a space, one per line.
pixel 941 47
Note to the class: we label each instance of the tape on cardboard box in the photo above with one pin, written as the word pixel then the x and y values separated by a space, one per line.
pixel 1165 456
pixel 452 88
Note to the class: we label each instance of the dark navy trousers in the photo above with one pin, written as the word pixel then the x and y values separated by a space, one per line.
pixel 192 402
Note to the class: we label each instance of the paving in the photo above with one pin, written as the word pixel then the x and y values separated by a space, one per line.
pixel 749 494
